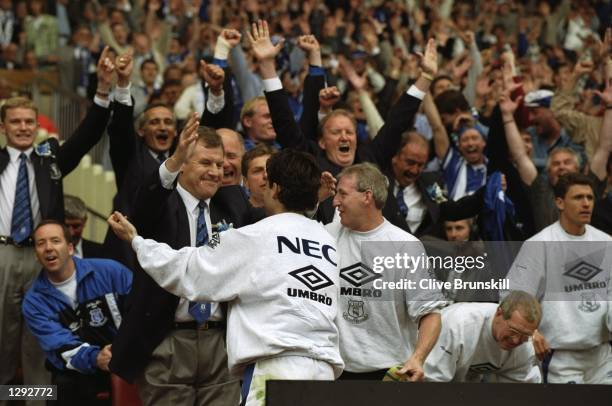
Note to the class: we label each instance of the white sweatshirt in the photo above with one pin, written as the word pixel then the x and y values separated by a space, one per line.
pixel 466 349
pixel 378 332
pixel 570 275
pixel 279 277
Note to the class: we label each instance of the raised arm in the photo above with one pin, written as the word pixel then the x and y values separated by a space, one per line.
pixel 313 85
pixel 197 274
pixel 440 137
pixel 288 133
pixel 92 127
pixel 218 110
pixel 401 116
pixel 525 165
pixel 600 158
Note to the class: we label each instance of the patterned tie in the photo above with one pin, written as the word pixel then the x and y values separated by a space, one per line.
pixel 401 203
pixel 161 157
pixel 200 311
pixel 21 222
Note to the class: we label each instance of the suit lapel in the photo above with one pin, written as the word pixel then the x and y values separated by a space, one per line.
pixel 183 234
pixel 43 184
pixel 4 159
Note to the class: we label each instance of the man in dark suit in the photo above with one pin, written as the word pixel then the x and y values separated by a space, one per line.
pixel 30 191
pixel 411 203
pixel 76 219
pixel 160 329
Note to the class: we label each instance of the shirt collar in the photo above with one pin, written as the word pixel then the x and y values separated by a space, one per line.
pixel 190 201
pixel 14 153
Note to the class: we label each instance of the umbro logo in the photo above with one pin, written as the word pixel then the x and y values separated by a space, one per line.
pixel 583 271
pixel 313 278
pixel 484 367
pixel 358 274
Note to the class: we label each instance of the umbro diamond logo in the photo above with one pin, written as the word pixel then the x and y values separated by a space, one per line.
pixel 358 274
pixel 311 277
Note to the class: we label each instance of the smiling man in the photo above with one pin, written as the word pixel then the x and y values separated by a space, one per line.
pixel 484 338
pixel 31 190
pixel 183 205
pixel 281 299
pixel 233 144
pixel 567 267
pixel 398 329
pixel 74 309
pixel 254 172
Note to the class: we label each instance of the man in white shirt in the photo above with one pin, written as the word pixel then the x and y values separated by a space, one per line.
pixel 378 329
pixel 486 338
pixel 279 277
pixel 566 267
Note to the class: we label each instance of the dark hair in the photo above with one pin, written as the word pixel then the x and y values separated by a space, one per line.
pixel 260 150
pixel 568 180
pixel 412 137
pixel 148 61
pixel 449 101
pixel 298 176
pixel 439 78
pixel 65 230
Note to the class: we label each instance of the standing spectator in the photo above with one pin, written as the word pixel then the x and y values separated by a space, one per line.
pixel 76 220
pixel 42 35
pixel 31 184
pixel 74 309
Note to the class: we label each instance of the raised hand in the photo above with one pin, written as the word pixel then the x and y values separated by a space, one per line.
pixel 429 60
pixel 310 45
pixel 232 36
pixel 124 65
pixel 105 71
pixel 328 186
pixel 348 72
pixel 213 75
pixel 186 143
pixel 507 105
pixel 328 97
pixel 261 45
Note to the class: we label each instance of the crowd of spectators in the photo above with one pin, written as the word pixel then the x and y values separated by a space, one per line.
pixel 369 55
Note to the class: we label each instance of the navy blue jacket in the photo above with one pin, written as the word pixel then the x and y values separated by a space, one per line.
pixel 72 338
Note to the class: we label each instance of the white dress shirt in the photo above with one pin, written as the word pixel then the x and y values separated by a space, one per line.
pixel 8 184
pixel 193 211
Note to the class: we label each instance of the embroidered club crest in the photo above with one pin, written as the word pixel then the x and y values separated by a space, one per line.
pixel 355 313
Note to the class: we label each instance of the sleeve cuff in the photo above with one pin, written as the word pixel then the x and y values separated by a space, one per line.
pixel 136 242
pixel 220 62
pixel 166 177
pixel 101 102
pixel 273 84
pixel 416 92
pixel 316 70
pixel 122 95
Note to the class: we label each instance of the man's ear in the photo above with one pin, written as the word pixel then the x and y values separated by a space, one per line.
pixel 275 190
pixel 560 203
pixel 140 132
pixel 321 143
pixel 247 122
pixel 70 249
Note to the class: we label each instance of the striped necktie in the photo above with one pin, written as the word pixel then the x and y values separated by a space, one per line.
pixel 200 311
pixel 21 222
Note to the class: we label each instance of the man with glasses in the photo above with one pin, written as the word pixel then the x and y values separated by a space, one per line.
pixel 484 338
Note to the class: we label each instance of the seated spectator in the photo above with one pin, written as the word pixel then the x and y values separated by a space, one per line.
pixel 74 310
